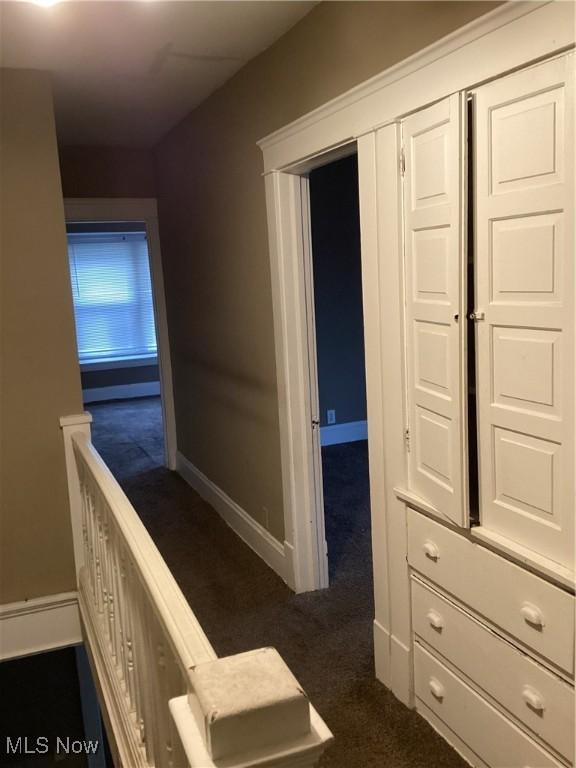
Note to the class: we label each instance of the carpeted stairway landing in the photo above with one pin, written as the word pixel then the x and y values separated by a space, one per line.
pixel 325 636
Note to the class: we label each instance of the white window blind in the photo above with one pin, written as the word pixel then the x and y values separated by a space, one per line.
pixel 112 294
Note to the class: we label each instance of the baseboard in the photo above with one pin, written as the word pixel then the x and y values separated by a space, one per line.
pixel 382 653
pixel 348 432
pixel 251 532
pixel 38 625
pixel 290 574
pixel 121 392
pixel 401 671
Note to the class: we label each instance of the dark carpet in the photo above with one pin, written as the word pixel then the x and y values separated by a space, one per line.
pixel 325 636
pixel 128 435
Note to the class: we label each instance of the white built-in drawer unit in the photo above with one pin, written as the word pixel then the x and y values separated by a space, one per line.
pixel 487 732
pixel 531 610
pixel 538 698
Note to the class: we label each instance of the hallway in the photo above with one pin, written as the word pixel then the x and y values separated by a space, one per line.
pixel 325 637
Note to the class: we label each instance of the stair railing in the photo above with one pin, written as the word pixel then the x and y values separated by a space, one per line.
pixel 168 701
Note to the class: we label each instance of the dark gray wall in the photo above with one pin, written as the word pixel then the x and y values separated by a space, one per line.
pixel 338 290
pixel 111 377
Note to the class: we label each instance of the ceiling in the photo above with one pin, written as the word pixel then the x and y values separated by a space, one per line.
pixel 124 73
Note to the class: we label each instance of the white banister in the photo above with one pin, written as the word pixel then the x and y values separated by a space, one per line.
pixel 168 700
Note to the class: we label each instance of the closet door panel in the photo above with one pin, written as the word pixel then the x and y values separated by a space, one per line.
pixel 525 288
pixel 432 249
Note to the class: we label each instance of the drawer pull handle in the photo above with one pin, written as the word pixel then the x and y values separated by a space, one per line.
pixel 436 620
pixel 436 689
pixel 431 550
pixel 533 699
pixel 532 615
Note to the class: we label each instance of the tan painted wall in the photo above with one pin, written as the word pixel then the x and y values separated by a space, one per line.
pixel 214 237
pixel 107 172
pixel 40 374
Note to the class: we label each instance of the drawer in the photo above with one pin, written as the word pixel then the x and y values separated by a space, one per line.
pixel 530 609
pixel 485 730
pixel 517 682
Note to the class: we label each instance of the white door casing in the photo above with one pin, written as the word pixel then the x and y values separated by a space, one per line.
pixel 433 202
pixel 314 401
pixel 525 289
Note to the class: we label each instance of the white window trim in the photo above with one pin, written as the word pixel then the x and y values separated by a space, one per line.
pixel 139 209
pixel 512 36
pixel 120 362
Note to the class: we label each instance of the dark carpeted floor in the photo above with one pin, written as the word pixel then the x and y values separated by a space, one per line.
pixel 128 435
pixel 325 637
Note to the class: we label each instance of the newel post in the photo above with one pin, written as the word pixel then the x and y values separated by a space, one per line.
pixel 247 710
pixel 69 426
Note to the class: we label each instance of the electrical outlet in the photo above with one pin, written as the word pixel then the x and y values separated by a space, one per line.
pixel 331 416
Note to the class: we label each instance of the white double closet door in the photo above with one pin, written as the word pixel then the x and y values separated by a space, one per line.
pixel 522 133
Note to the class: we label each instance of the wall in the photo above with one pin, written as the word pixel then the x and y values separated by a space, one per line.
pixel 335 219
pixel 40 376
pixel 107 172
pixel 214 235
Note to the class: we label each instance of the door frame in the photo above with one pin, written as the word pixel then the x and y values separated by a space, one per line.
pixel 308 267
pixel 144 210
pixel 288 205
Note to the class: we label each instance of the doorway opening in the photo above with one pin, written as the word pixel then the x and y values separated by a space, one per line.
pixel 337 369
pixel 124 366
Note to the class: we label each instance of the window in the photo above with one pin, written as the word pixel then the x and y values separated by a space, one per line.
pixel 112 295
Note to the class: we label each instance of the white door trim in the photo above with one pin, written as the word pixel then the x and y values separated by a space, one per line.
pixel 141 209
pixel 308 267
pixel 510 37
pixel 285 230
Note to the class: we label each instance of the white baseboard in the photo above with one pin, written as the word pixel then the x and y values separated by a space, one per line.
pixel 401 671
pixel 251 532
pixel 40 624
pixel 121 392
pixel 382 654
pixel 290 575
pixel 348 432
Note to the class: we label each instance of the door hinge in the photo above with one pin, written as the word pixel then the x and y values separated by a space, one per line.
pixel 407 438
pixel 315 423
pixel 402 162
